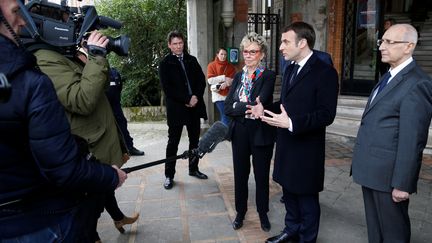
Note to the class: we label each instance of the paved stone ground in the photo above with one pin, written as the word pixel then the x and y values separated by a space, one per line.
pixel 202 210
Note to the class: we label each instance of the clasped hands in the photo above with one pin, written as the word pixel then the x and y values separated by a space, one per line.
pixel 192 102
pixel 277 120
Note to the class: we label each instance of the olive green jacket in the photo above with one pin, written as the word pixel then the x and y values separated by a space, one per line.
pixel 81 90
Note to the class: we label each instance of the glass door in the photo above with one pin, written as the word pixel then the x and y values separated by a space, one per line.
pixel 360 49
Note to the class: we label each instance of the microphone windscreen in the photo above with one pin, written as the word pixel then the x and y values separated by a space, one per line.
pixel 216 134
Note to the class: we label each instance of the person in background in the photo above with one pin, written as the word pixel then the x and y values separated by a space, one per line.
pixel 220 75
pixel 384 67
pixel 250 137
pixel 183 83
pixel 50 189
pixel 307 106
pixel 114 96
pixel 392 136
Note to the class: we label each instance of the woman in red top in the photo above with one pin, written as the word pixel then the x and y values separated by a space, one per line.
pixel 220 75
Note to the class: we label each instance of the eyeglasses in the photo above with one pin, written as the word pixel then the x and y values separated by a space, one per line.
pixel 389 42
pixel 250 52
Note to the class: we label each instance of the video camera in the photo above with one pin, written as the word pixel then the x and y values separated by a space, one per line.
pixel 54 23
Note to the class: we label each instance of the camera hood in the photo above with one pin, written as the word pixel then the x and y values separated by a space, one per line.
pixel 59 25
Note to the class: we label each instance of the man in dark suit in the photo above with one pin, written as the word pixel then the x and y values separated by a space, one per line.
pixel 183 83
pixel 392 135
pixel 307 105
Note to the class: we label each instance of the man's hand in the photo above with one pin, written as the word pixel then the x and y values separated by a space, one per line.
pixel 97 39
pixel 399 196
pixel 121 175
pixel 277 120
pixel 193 101
pixel 255 110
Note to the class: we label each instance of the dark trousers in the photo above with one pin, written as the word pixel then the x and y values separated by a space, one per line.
pixel 174 135
pixel 243 148
pixel 111 206
pixel 122 124
pixel 221 108
pixel 302 215
pixel 387 221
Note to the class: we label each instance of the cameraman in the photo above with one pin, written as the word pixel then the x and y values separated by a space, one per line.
pixel 80 86
pixel 48 191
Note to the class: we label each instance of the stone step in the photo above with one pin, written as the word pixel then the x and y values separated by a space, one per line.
pixel 423 63
pixel 350 112
pixel 427 53
pixel 423 48
pixel 423 57
pixel 425 34
pixel 425 42
pixel 356 101
pixel 425 37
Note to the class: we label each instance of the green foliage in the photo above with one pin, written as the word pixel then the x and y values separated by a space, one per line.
pixel 147 23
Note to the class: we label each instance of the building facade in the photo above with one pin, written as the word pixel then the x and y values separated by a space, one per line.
pixel 346 29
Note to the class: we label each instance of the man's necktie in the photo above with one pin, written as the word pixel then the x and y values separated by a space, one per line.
pixel 187 79
pixel 290 74
pixel 293 73
pixel 384 80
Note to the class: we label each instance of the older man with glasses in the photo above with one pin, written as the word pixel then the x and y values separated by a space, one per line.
pixel 392 135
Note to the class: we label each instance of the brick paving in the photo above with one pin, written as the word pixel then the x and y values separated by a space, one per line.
pixel 202 210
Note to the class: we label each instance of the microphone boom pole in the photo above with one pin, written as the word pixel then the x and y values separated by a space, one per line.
pixel 186 154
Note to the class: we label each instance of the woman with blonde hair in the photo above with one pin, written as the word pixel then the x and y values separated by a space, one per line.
pixel 248 135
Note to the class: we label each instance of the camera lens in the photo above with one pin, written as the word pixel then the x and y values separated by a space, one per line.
pixel 119 45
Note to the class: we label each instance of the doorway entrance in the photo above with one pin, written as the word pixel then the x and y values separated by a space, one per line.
pixel 360 72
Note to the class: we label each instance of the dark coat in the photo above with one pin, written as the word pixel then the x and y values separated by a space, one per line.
pixel 38 155
pixel 174 85
pixel 393 133
pixel 310 102
pixel 262 87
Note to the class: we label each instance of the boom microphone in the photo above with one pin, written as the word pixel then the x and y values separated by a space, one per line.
pixel 216 134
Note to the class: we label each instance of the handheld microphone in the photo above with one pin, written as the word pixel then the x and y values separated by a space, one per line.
pixel 216 134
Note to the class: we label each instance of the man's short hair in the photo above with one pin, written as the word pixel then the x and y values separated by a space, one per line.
pixel 175 34
pixel 303 31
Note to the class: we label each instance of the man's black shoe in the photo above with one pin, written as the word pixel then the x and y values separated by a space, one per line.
pixel 238 222
pixel 282 237
pixel 169 183
pixel 135 152
pixel 198 174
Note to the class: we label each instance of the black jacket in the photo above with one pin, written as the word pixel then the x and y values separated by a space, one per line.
pixel 39 159
pixel 174 85
pixel 262 87
pixel 310 102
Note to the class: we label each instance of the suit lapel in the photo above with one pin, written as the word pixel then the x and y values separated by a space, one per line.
pixel 303 72
pixel 257 84
pixel 390 86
